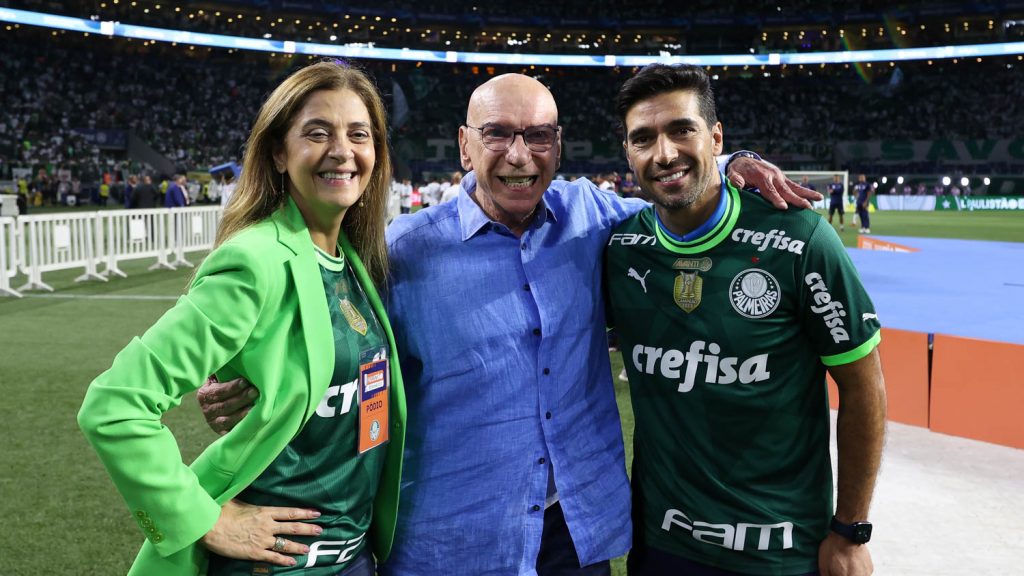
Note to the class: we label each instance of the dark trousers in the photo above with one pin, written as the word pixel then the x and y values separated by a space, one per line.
pixel 645 561
pixel 865 218
pixel 363 565
pixel 557 555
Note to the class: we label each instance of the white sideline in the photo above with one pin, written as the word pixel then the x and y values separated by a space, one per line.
pixel 101 297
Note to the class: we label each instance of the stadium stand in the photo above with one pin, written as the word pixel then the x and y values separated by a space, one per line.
pixel 599 26
pixel 192 106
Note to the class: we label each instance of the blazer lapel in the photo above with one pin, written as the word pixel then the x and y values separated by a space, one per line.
pixel 313 313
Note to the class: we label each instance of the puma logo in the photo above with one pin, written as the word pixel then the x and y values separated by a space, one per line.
pixel 641 279
pixel 868 316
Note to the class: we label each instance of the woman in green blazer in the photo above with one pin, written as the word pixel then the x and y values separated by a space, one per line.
pixel 288 299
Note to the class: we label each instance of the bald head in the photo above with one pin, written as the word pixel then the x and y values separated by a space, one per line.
pixel 510 181
pixel 510 95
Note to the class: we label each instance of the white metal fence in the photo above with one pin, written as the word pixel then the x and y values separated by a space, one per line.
pixel 193 230
pixel 134 234
pixel 35 245
pixel 8 257
pixel 60 241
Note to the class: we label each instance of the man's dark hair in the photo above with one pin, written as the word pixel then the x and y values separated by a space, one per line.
pixel 658 79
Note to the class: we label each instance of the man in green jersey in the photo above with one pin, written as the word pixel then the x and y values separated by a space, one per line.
pixel 729 313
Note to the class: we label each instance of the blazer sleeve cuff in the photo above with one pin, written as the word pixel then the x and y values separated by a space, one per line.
pixel 176 538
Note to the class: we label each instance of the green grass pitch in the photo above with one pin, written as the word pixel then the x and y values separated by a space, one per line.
pixel 52 345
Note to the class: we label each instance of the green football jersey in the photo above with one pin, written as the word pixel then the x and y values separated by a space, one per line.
pixel 321 468
pixel 726 339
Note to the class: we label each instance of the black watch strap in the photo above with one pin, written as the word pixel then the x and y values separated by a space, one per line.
pixel 858 532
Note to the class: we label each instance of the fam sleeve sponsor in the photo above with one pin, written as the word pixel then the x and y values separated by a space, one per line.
pixel 631 239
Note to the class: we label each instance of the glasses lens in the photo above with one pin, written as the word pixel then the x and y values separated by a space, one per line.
pixel 536 138
pixel 497 137
pixel 539 137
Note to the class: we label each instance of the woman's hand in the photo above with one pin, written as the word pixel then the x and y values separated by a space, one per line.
pixel 247 532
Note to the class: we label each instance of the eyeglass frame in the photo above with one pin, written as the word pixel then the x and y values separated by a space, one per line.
pixel 480 130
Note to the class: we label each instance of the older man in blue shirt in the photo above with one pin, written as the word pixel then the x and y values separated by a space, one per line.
pixel 514 461
pixel 499 327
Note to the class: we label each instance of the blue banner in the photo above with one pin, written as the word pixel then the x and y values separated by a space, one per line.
pixel 104 138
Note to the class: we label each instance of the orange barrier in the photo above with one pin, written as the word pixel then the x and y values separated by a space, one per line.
pixel 905 369
pixel 978 390
pixel 905 366
pixel 868 243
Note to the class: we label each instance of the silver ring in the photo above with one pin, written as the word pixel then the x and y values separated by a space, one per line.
pixel 278 544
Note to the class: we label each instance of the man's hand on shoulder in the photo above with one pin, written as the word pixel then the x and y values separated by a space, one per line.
pixel 774 186
pixel 224 404
pixel 837 556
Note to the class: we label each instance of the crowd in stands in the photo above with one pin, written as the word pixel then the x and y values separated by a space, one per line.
pixel 965 100
pixel 190 113
pixel 194 107
pixel 952 101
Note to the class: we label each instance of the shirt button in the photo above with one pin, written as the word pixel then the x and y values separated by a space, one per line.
pixel 536 331
pixel 536 508
pixel 547 415
pixel 541 461
pixel 522 247
pixel 547 371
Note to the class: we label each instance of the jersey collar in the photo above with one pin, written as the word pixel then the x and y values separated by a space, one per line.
pixel 710 233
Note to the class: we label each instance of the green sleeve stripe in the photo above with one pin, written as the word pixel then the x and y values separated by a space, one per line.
pixel 855 354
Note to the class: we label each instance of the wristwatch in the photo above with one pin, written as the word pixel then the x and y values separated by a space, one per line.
pixel 741 154
pixel 858 532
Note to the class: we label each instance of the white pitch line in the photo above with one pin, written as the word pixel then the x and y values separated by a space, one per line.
pixel 100 297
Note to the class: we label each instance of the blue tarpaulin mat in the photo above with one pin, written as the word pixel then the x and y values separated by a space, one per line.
pixel 968 288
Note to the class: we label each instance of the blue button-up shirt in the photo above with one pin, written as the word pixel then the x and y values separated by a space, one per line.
pixel 506 369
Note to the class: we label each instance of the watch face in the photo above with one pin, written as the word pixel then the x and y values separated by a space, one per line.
pixel 861 532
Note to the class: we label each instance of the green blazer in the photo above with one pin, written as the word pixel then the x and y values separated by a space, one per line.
pixel 256 309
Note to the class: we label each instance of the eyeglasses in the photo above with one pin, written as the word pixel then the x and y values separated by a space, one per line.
pixel 500 138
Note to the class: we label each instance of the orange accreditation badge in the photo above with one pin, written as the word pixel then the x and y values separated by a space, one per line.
pixel 374 382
